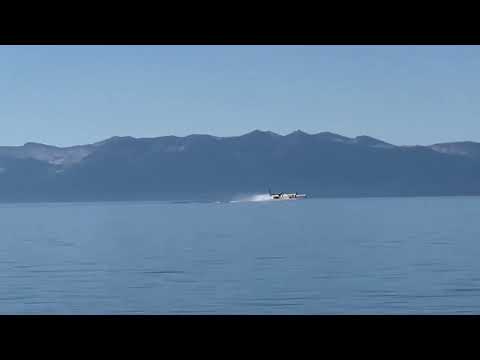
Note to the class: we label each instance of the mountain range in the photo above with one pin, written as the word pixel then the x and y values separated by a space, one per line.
pixel 204 167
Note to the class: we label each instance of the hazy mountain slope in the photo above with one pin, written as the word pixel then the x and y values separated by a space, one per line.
pixel 208 167
pixel 465 148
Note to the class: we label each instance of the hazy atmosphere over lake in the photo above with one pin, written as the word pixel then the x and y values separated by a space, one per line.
pixel 239 179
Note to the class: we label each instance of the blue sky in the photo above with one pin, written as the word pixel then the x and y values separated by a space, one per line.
pixel 67 95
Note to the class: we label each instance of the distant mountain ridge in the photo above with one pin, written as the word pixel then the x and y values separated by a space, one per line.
pixel 210 167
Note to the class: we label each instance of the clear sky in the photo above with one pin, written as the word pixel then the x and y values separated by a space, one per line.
pixel 67 95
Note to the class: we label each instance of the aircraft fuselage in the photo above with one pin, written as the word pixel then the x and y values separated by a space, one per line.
pixel 282 196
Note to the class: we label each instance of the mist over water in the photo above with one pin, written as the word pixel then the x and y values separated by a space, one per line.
pixel 251 197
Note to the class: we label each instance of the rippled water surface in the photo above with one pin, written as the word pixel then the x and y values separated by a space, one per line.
pixel 315 256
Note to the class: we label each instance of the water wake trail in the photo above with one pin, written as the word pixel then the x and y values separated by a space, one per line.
pixel 250 198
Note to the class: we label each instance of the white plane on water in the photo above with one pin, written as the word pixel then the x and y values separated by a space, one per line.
pixel 286 196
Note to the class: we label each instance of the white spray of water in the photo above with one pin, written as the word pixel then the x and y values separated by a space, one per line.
pixel 254 197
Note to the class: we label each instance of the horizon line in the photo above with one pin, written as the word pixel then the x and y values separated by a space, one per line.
pixel 299 131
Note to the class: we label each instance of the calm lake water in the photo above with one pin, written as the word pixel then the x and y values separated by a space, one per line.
pixel 316 256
